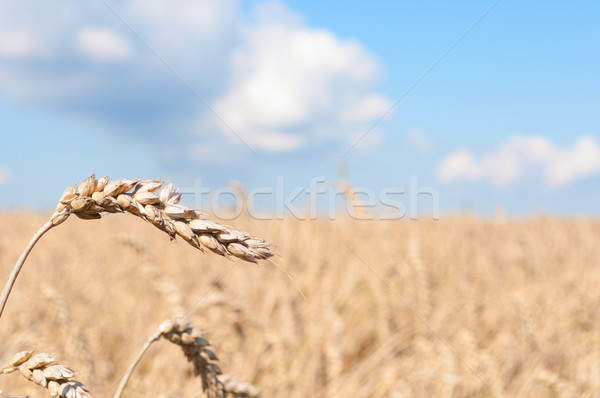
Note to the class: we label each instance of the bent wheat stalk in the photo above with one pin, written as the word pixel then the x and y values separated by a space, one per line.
pixel 96 196
pixel 19 265
pixel 43 370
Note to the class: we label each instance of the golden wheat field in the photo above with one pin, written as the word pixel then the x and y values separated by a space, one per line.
pixel 460 307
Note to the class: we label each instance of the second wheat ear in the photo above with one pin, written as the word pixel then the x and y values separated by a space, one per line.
pixel 92 197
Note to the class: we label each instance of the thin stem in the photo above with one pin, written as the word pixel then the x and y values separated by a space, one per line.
pixel 156 336
pixel 17 268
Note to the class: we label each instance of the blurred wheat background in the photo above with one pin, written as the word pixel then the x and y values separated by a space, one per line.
pixel 460 307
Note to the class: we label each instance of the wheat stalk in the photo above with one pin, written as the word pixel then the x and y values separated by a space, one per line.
pixel 196 349
pixel 93 197
pixel 43 370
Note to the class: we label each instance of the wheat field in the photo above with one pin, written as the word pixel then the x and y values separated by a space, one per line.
pixel 459 307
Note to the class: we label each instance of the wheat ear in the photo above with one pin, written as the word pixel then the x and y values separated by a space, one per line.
pixel 197 350
pixel 93 197
pixel 43 370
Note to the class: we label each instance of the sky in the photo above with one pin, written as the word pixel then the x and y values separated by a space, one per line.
pixel 489 104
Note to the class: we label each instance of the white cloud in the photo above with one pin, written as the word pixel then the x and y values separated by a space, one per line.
pixel 459 165
pixel 4 176
pixel 280 84
pixel 419 139
pixel 277 141
pixel 582 160
pixel 522 155
pixel 103 44
pixel 366 143
pixel 15 43
pixel 369 108
pixel 193 36
pixel 288 78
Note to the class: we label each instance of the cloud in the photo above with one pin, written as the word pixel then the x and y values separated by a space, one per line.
pixel 366 142
pixel 4 176
pixel 17 43
pixel 103 44
pixel 459 165
pixel 365 109
pixel 288 78
pixel 521 156
pixel 581 161
pixel 282 86
pixel 419 139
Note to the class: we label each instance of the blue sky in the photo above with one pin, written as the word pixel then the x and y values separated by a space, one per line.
pixel 509 116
